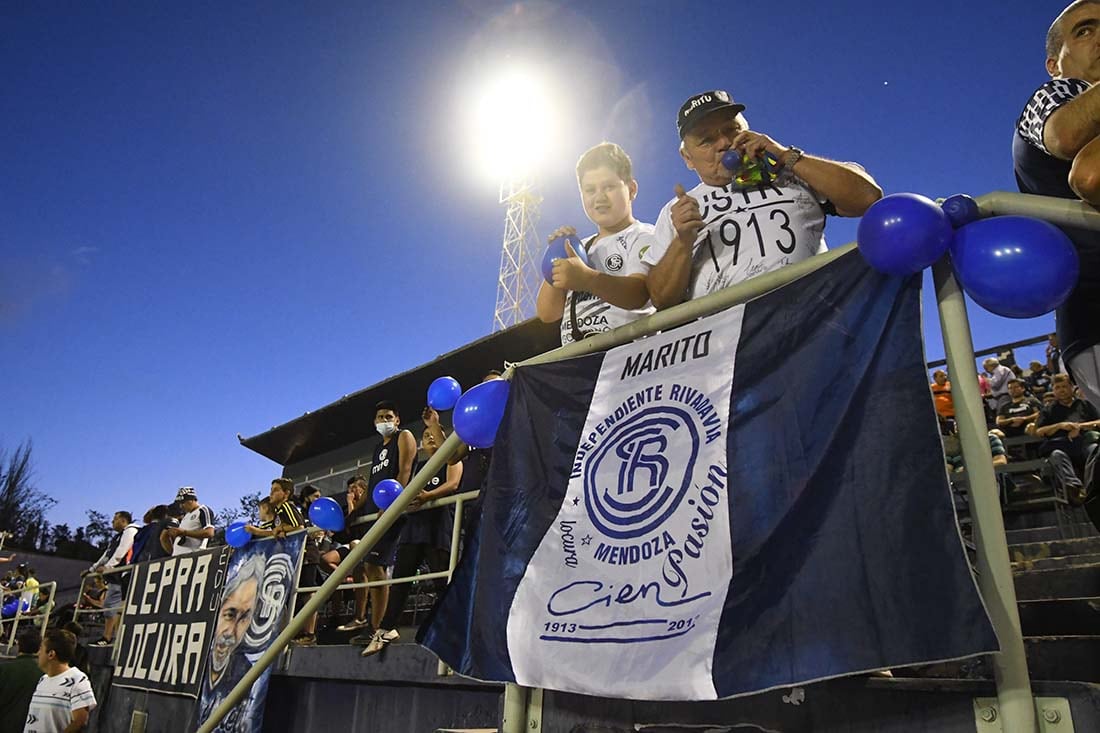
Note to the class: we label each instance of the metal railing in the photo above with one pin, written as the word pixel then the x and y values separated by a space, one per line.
pixel 458 500
pixel 37 615
pixel 1017 708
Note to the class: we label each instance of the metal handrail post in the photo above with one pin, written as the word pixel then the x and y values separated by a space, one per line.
pixel 1017 708
pixel 354 558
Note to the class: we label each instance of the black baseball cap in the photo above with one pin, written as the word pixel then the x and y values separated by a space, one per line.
pixel 701 105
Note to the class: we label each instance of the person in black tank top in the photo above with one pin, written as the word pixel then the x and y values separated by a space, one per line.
pixel 392 458
pixel 425 538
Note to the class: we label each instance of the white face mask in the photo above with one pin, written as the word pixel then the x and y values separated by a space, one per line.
pixel 386 429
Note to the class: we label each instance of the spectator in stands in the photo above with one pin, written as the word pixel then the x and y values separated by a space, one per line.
pixel 63 699
pixel 18 678
pixel 609 291
pixel 285 515
pixel 118 553
pixel 393 459
pixel 355 506
pixel 80 652
pixel 95 593
pixel 197 525
pixel 310 575
pixel 30 585
pixel 1054 355
pixel 426 537
pixel 805 189
pixel 1022 409
pixel 1069 427
pixel 475 464
pixel 952 449
pixel 998 375
pixel 152 541
pixel 1038 378
pixel 1056 152
pixel 945 404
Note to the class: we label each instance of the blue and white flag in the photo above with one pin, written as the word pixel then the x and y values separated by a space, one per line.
pixel 751 501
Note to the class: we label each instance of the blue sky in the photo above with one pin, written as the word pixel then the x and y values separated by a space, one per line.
pixel 217 216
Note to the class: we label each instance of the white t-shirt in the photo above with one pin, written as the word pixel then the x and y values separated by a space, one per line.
pixel 199 518
pixel 56 698
pixel 747 232
pixel 618 254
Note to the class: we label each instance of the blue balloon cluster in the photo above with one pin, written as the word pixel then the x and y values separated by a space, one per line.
pixel 326 514
pixel 556 251
pixel 385 492
pixel 478 413
pixel 1013 266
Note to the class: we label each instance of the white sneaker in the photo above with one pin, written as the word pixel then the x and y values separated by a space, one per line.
pixel 378 642
pixel 353 625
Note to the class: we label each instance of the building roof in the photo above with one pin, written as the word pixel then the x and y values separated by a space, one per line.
pixel 351 418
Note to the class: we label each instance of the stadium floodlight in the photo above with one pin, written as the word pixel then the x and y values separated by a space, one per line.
pixel 511 124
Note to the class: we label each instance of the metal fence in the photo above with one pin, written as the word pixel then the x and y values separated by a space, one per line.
pixel 36 615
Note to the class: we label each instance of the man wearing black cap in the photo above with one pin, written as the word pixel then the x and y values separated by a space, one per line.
pixel 726 230
pixel 196 527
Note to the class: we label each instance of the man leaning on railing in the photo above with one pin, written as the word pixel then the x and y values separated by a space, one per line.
pixel 117 553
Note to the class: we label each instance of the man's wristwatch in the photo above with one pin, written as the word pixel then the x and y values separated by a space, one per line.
pixel 788 160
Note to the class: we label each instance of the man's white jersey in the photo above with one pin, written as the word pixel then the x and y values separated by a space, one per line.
pixel 617 254
pixel 747 231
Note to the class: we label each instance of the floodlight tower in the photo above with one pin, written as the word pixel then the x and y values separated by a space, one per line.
pixel 518 281
pixel 513 133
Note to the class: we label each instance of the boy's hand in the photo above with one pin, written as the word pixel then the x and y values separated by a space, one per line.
pixel 570 273
pixel 564 231
pixel 430 418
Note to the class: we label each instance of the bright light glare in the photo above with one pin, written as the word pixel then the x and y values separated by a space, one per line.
pixel 511 124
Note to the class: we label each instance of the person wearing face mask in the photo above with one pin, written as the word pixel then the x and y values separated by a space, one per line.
pixel 393 459
pixel 724 231
pixel 590 299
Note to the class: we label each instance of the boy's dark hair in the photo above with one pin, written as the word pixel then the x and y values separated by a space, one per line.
pixel 606 155
pixel 358 479
pixel 28 641
pixel 285 484
pixel 386 405
pixel 266 501
pixel 74 628
pixel 156 514
pixel 125 515
pixel 62 643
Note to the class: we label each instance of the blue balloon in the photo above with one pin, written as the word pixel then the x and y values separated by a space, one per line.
pixel 236 535
pixel 385 492
pixel 556 251
pixel 443 393
pixel 478 413
pixel 1015 266
pixel 10 608
pixel 903 233
pixel 961 210
pixel 326 514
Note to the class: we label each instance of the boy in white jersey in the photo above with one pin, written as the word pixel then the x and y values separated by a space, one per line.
pixel 63 699
pixel 611 290
pixel 720 233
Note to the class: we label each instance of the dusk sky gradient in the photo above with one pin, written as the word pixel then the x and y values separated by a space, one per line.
pixel 217 216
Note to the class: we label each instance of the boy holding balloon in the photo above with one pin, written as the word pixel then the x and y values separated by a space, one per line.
pixel 601 284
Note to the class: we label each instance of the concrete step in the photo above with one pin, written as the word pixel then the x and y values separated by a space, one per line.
pixel 1064 658
pixel 1081 581
pixel 1050 563
pixel 1062 617
pixel 1049 533
pixel 1055 548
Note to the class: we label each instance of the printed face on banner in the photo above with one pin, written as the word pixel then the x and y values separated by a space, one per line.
pixel 634 570
pixel 234 618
